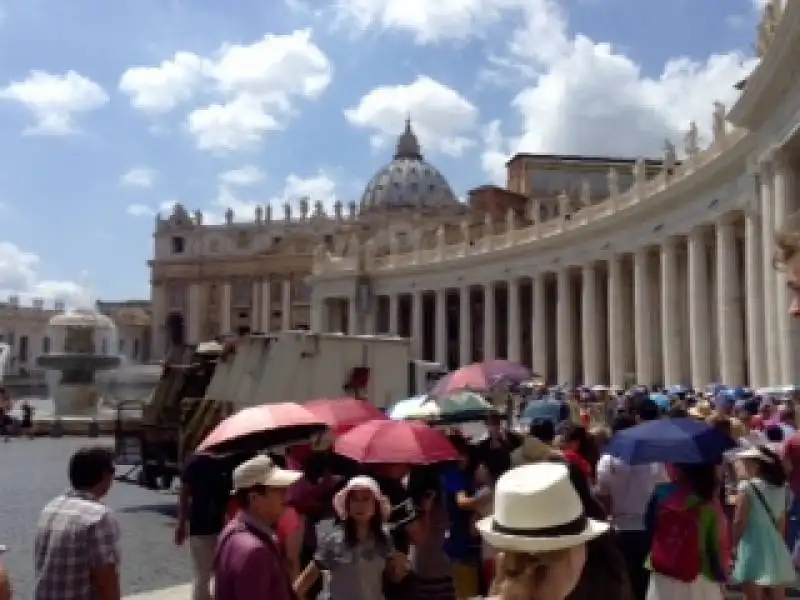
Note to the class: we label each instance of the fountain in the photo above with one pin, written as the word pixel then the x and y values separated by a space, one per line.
pixel 83 342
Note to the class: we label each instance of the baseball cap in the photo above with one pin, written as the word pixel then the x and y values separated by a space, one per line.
pixel 261 470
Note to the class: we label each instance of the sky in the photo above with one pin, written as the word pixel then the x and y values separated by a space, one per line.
pixel 110 112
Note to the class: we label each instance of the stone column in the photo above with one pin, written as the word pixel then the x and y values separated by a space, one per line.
pixel 464 326
pixel 771 338
pixel 731 341
pixel 255 321
pixel 670 315
pixel 564 329
pixel 514 333
pixel 783 190
pixel 266 306
pixel 286 305
pixel 489 322
pixel 394 314
pixel 643 317
pixel 318 309
pixel 441 327
pixel 158 343
pixel 616 323
pixel 590 325
pixel 193 329
pixel 417 323
pixel 699 346
pixel 756 349
pixel 225 308
pixel 539 312
pixel 352 315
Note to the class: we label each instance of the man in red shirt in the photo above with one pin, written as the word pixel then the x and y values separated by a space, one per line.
pixel 249 563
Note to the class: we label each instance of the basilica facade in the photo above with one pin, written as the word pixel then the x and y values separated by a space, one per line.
pixel 239 277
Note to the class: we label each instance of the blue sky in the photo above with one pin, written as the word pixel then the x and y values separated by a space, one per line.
pixel 110 111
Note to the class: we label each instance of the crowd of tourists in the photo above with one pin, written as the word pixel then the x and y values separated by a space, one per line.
pixel 501 520
pixel 676 501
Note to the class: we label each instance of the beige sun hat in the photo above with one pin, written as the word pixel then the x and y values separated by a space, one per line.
pixel 261 470
pixel 536 509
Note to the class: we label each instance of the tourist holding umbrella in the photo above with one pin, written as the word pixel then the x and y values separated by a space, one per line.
pixel 342 414
pixel 462 406
pixel 388 449
pixel 671 441
pixel 259 427
pixel 482 377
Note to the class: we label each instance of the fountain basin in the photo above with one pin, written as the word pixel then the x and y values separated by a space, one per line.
pixel 74 361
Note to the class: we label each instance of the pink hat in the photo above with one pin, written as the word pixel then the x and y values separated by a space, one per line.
pixel 361 482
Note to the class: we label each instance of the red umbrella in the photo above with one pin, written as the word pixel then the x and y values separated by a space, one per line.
pixel 342 414
pixel 481 377
pixel 258 427
pixel 395 442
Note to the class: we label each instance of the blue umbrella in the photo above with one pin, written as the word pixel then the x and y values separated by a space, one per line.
pixel 676 441
pixel 677 389
pixel 549 409
pixel 661 401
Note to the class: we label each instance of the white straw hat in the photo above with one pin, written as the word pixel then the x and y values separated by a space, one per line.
pixel 361 482
pixel 536 509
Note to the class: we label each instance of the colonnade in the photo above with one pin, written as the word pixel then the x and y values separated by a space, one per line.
pixel 703 306
pixel 260 305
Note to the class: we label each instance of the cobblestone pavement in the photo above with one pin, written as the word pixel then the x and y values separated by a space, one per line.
pixel 34 471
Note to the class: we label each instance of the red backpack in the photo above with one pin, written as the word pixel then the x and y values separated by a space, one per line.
pixel 675 551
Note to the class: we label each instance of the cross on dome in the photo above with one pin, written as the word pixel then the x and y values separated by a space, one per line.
pixel 407 143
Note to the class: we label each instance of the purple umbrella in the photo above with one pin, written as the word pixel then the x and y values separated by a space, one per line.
pixel 482 377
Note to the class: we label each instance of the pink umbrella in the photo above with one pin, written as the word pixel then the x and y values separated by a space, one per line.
pixel 342 414
pixel 259 427
pixel 395 442
pixel 482 377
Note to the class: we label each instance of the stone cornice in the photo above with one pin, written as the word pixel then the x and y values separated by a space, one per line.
pixel 721 163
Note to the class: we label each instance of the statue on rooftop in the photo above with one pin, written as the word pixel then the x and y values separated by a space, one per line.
pixel 691 141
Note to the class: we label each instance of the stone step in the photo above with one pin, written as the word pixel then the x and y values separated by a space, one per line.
pixel 177 592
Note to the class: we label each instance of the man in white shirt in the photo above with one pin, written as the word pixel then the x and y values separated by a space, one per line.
pixel 625 491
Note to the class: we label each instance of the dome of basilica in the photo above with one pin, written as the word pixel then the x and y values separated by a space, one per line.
pixel 408 181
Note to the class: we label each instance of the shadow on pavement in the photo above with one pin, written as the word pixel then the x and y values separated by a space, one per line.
pixel 167 510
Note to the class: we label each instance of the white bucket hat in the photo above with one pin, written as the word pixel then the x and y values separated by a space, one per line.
pixel 361 482
pixel 536 509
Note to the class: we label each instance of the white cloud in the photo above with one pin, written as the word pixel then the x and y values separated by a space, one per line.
pixel 318 187
pixel 160 89
pixel 19 275
pixel 244 176
pixel 55 100
pixel 426 21
pixel 140 210
pixel 144 210
pixel 442 118
pixel 236 125
pixel 574 95
pixel 254 87
pixel 138 177
pixel 583 97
